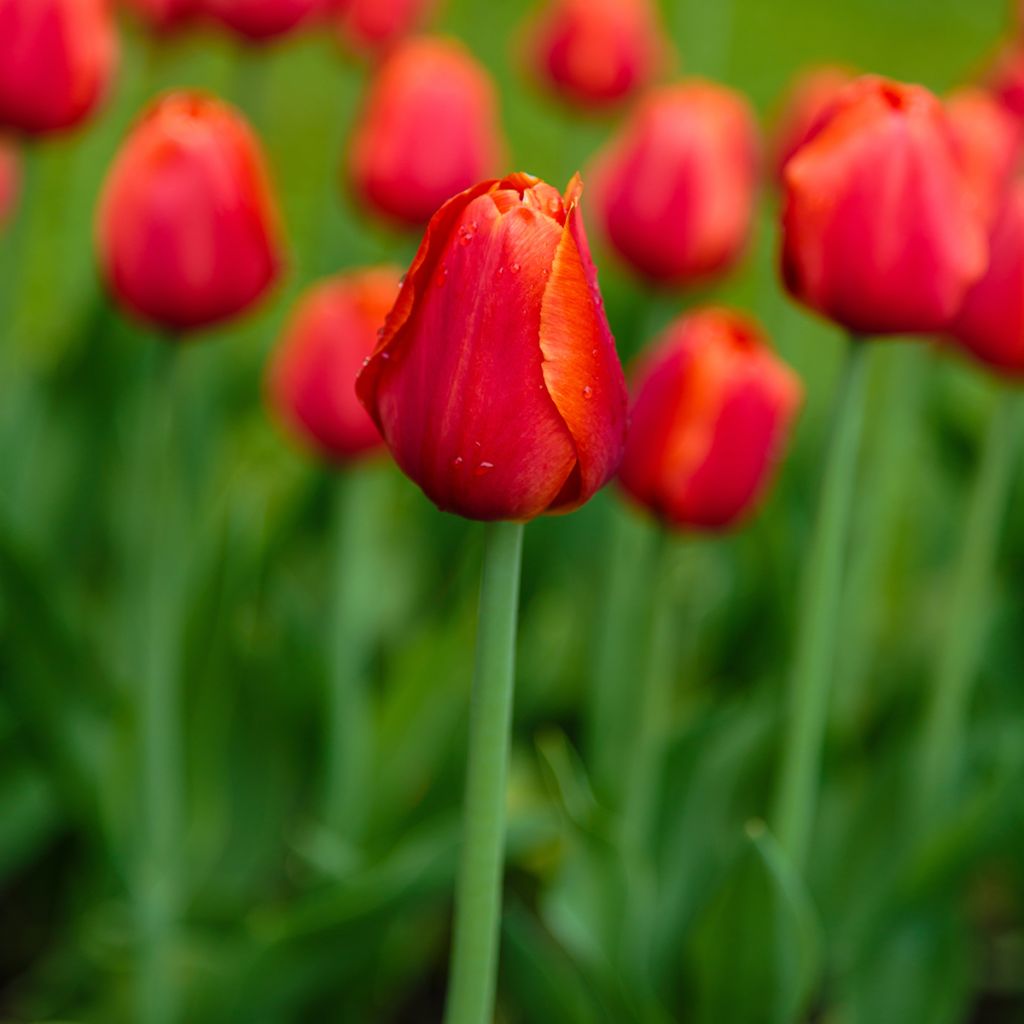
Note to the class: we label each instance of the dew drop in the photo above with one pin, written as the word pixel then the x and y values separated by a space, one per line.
pixel 366 361
pixel 457 461
pixel 501 270
pixel 514 268
pixel 466 234
pixel 442 277
pixel 483 468
pixel 593 351
pixel 385 356
pixel 588 391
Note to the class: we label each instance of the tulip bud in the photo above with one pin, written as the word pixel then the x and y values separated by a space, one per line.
pixel 187 229
pixel 676 189
pixel 597 51
pixel 990 324
pixel 712 407
pixel 10 180
pixel 312 381
pixel 807 101
pixel 428 131
pixel 262 20
pixel 164 15
pixel 56 60
pixel 881 232
pixel 376 24
pixel 496 384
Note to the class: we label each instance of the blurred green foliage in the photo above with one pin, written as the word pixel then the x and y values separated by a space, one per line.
pixel 283 922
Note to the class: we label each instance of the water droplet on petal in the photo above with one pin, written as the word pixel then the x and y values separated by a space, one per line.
pixel 442 277
pixel 385 355
pixel 466 234
pixel 588 391
pixel 593 351
pixel 501 270
pixel 457 461
pixel 483 468
pixel 366 361
pixel 514 268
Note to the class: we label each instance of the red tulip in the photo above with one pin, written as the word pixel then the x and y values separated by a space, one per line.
pixel 1005 78
pixel 261 20
pixel 376 24
pixel 675 190
pixel 428 131
pixel 496 384
pixel 165 15
pixel 711 412
pixel 10 179
pixel 990 324
pixel 56 60
pixel 312 383
pixel 808 100
pixel 881 231
pixel 987 141
pixel 597 51
pixel 187 229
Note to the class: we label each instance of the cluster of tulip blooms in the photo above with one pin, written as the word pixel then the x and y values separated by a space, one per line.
pixel 489 370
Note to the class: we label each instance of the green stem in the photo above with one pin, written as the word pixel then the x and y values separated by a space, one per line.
pixel 962 640
pixel 478 890
pixel 814 663
pixel 350 716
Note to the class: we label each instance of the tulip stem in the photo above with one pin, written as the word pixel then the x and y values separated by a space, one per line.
pixel 959 650
pixel 814 661
pixel 478 891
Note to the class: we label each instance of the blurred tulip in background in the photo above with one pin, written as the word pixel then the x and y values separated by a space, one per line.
pixel 262 20
pixel 376 24
pixel 165 15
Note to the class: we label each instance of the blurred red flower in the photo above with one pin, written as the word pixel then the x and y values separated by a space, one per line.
pixel 187 229
pixel 165 15
pixel 596 52
pixel 881 231
pixel 496 384
pixel 262 20
pixel 1005 77
pixel 57 58
pixel 711 413
pixel 10 179
pixel 376 24
pixel 675 190
pixel 312 378
pixel 429 129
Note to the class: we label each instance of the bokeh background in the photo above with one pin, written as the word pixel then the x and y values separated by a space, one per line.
pixel 283 921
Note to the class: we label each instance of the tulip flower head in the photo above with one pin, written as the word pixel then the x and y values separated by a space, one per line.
pixel 596 52
pixel 260 21
pixel 10 180
pixel 806 102
pixel 165 15
pixel 57 58
pixel 881 231
pixel 496 384
pixel 428 131
pixel 187 230
pixel 377 24
pixel 312 381
pixel 712 408
pixel 675 190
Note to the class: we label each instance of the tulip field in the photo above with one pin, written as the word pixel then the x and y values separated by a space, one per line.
pixel 511 512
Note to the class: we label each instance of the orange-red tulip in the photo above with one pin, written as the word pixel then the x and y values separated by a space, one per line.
pixel 881 231
pixel 312 380
pixel 597 51
pixel 429 130
pixel 376 24
pixel 675 190
pixel 56 61
pixel 711 412
pixel 496 384
pixel 807 100
pixel 261 20
pixel 10 180
pixel 187 229
pixel 164 15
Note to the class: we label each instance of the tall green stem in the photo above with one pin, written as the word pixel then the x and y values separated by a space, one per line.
pixel 478 891
pixel 961 642
pixel 814 663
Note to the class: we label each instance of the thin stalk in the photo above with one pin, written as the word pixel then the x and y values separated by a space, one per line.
pixel 959 650
pixel 814 664
pixel 478 889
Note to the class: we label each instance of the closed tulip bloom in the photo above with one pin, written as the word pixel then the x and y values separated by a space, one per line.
pixel 262 20
pixel 429 130
pixel 187 229
pixel 10 180
pixel 990 324
pixel 597 52
pixel 676 189
pixel 712 408
pixel 56 61
pixel 312 381
pixel 164 15
pixel 376 24
pixel 496 384
pixel 807 100
pixel 881 231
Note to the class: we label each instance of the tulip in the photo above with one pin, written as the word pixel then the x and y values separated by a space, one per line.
pixel 261 20
pixel 377 24
pixel 428 131
pixel 597 52
pixel 187 230
pixel 56 61
pixel 1005 78
pixel 881 232
pixel 808 99
pixel 164 15
pixel 312 378
pixel 496 384
pixel 10 180
pixel 676 189
pixel 711 412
